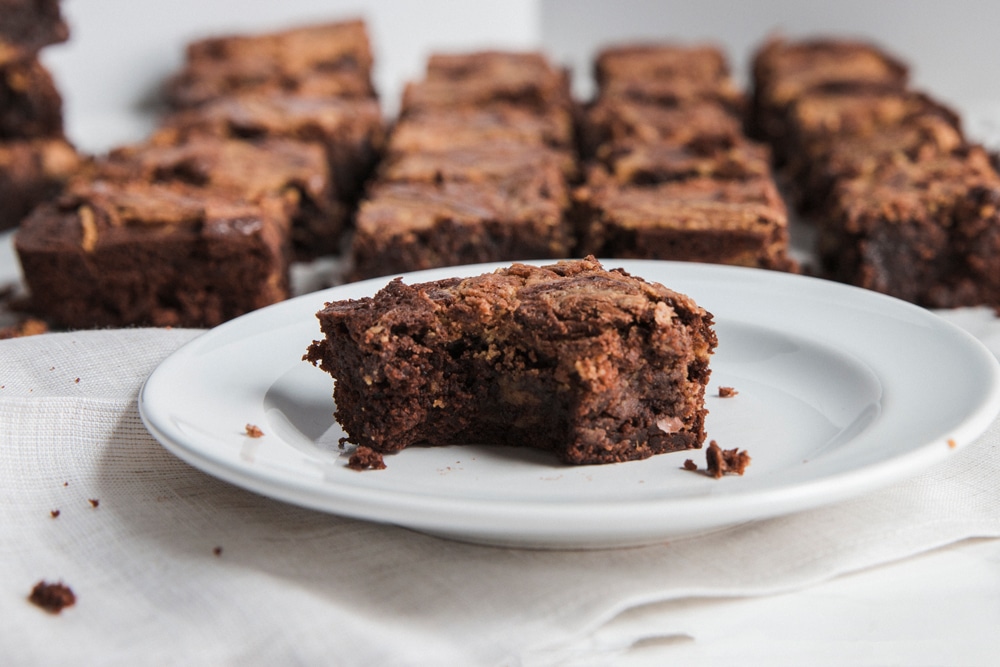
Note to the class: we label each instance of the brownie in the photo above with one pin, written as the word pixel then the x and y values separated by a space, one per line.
pixel 404 227
pixel 927 232
pixel 819 115
pixel 464 127
pixel 612 121
pixel 31 171
pixel 784 71
pixel 485 163
pixel 666 74
pixel 741 222
pixel 647 164
pixel 292 170
pixel 595 366
pixel 817 167
pixel 331 59
pixel 111 254
pixel 481 79
pixel 351 131
pixel 30 104
pixel 28 26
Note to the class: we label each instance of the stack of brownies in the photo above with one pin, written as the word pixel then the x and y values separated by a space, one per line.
pixel 260 161
pixel 35 157
pixel 477 169
pixel 671 173
pixel 903 203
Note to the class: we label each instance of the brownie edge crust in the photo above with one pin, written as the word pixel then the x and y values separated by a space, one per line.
pixel 595 365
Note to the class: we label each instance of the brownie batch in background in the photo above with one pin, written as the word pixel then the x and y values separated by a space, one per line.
pixel 593 365
pixel 902 202
pixel 491 159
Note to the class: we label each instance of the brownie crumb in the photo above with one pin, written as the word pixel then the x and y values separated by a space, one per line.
pixel 721 461
pixel 217 551
pixel 55 514
pixel 727 392
pixel 53 598
pixel 365 458
pixel 94 502
pixel 690 465
pixel 254 431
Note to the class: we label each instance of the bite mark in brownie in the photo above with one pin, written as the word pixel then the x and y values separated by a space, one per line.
pixel 596 366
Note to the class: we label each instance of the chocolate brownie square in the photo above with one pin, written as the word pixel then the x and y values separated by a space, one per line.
pixel 351 131
pixel 28 26
pixel 817 167
pixel 112 254
pixel 592 365
pixel 666 74
pixel 647 164
pixel 30 104
pixel 404 227
pixel 612 121
pixel 332 59
pixel 927 232
pixel 466 127
pixel 484 78
pixel 741 222
pixel 31 171
pixel 820 114
pixel 784 71
pixel 294 171
pixel 485 163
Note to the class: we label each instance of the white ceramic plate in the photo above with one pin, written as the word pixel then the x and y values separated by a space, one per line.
pixel 841 391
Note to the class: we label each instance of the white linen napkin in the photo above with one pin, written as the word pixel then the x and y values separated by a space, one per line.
pixel 173 566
